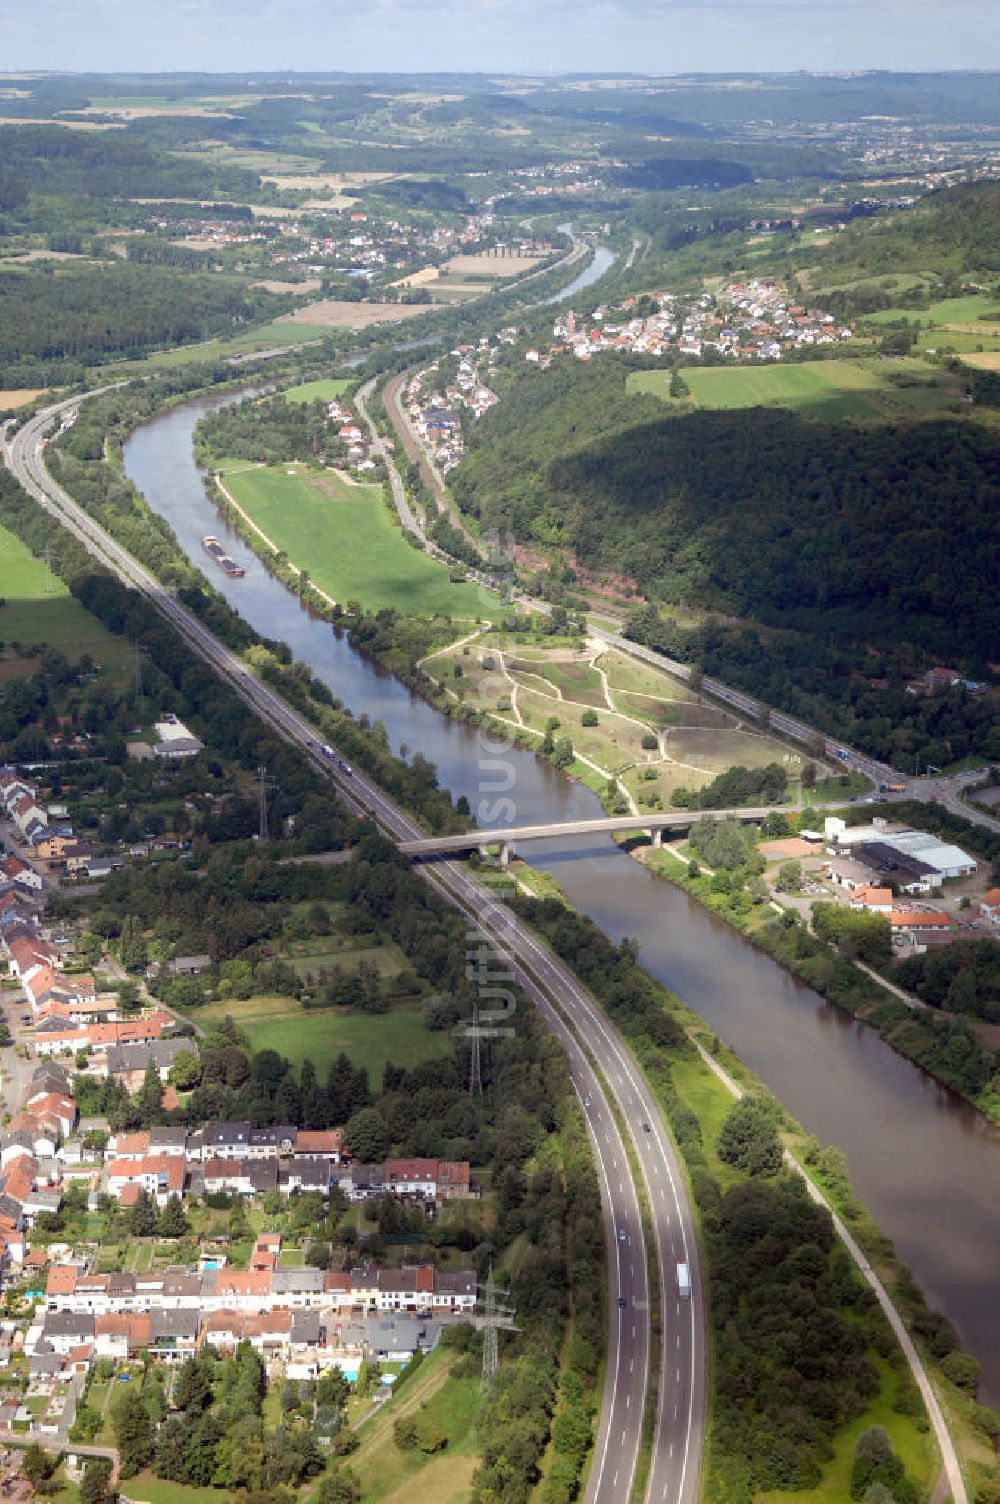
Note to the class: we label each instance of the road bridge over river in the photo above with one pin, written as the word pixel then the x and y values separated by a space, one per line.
pixel 509 836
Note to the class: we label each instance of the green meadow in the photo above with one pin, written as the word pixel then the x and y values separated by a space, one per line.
pixel 312 391
pixel 319 1035
pixel 828 389
pixel 342 533
pixel 38 608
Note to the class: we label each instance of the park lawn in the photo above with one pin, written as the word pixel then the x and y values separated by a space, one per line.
pixel 313 391
pixel 827 389
pixel 391 1476
pixel 915 1449
pixel 343 535
pixel 38 608
pixel 636 677
pixel 145 1489
pixel 319 1035
pixel 647 709
pixel 577 681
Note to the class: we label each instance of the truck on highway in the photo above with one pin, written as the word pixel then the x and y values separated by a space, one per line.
pixel 684 1281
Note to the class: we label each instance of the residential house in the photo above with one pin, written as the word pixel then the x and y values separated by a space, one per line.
pixel 875 900
pixel 128 1062
pixel 162 1175
pixel 17 871
pixel 989 906
pixel 248 1177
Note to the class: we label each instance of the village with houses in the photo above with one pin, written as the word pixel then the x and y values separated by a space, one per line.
pixel 64 1026
pixel 438 394
pixel 742 321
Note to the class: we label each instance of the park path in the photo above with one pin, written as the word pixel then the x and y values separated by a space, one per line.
pixel 909 998
pixel 935 1414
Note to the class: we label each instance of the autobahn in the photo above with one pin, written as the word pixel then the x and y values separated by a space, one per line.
pixel 615 1096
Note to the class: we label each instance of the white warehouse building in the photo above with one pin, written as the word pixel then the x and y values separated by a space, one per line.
pixel 942 857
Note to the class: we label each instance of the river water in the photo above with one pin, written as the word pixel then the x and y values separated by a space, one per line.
pixel 923 1161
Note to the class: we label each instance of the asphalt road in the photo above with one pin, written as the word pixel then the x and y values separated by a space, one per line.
pixel 587 1037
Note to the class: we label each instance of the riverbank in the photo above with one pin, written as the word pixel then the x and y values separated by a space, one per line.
pixel 909 1142
pixel 693 1076
pixel 942 1045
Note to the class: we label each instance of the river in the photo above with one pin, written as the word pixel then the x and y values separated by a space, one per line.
pixel 924 1162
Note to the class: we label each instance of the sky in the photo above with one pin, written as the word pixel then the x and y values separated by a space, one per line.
pixel 511 36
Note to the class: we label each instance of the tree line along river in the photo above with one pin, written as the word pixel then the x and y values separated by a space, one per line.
pixel 925 1163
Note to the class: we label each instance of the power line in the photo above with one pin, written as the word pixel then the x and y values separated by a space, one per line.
pixel 494 1316
pixel 140 655
pixel 264 787
pixel 475 1055
pixel 491 1342
pixel 51 566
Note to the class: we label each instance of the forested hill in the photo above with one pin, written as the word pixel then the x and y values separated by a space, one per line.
pixel 51 160
pixel 956 229
pixel 870 535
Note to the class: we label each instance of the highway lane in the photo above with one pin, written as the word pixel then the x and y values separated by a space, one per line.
pixel 582 1028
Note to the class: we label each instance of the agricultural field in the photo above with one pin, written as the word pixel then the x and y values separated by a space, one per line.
pixel 320 1034
pixel 343 533
pixel 313 391
pixel 38 608
pixel 827 389
pixel 984 360
pixel 16 397
pixel 333 313
pixel 266 337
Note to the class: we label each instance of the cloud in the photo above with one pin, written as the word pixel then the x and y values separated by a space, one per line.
pixel 510 35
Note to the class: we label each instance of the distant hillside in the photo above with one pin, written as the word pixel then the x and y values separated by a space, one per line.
pixel 869 535
pixel 956 231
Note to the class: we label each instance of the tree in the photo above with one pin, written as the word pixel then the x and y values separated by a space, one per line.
pixel 789 877
pixel 962 1369
pixel 95 1486
pixel 185 1073
pixel 562 752
pixel 875 1462
pixel 588 718
pixel 133 1431
pixel 193 1387
pixel 36 1465
pixel 142 1217
pixel 150 1100
pixel 341 1487
pixel 366 1134
pixel 172 1223
pixel 748 1139
pixel 132 947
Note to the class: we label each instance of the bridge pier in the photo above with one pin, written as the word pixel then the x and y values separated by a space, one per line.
pixel 658 836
